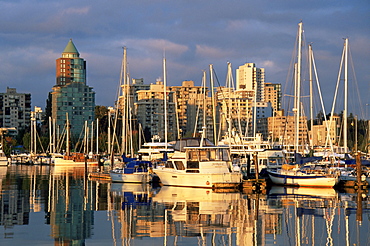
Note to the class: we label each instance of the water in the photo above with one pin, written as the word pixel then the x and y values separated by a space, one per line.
pixel 42 205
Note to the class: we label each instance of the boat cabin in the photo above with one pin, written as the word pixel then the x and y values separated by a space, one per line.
pixel 201 160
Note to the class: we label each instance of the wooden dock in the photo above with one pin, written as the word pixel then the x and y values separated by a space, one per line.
pixel 254 186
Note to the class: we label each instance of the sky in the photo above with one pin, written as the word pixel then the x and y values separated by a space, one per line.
pixel 191 34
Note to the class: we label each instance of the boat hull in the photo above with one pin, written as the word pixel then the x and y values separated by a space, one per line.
pixel 140 177
pixel 302 180
pixel 207 180
pixel 4 161
pixel 62 162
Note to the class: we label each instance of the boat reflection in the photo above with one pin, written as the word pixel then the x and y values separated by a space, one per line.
pixel 203 214
pixel 308 192
pixel 80 211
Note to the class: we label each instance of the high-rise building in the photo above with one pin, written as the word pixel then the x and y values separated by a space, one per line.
pixel 15 109
pixel 252 79
pixel 283 130
pixel 190 105
pixel 237 108
pixel 151 113
pixel 273 95
pixel 71 96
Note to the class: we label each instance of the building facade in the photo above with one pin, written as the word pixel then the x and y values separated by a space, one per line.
pixel 273 95
pixel 151 113
pixel 71 96
pixel 250 78
pixel 282 129
pixel 15 109
pixel 191 107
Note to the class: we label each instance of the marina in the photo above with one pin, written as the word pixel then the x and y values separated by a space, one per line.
pixel 44 205
pixel 242 163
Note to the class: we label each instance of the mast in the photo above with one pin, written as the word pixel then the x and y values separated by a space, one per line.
pixel 165 101
pixel 254 110
pixel 213 104
pixel 124 100
pixel 297 96
pixel 92 137
pixel 311 92
pixel 229 78
pixel 110 109
pixel 97 136
pixel 67 148
pixel 204 83
pixel 50 137
pixel 345 123
pixel 54 134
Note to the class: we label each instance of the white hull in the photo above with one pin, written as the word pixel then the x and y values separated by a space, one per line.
pixel 4 161
pixel 295 179
pixel 62 162
pixel 206 180
pixel 140 177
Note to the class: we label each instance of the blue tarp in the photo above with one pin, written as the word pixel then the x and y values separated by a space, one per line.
pixel 302 160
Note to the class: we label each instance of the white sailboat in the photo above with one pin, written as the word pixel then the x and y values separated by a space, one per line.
pixel 131 170
pixel 75 159
pixel 295 175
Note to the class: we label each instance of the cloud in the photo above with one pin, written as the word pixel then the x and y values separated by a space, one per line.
pixel 192 34
pixel 73 11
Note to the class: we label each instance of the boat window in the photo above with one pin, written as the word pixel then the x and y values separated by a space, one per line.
pixel 168 164
pixel 179 165
pixel 179 206
pixel 225 155
pixel 275 161
pixel 213 155
pixel 204 155
pixel 193 155
pixel 193 164
pixel 180 145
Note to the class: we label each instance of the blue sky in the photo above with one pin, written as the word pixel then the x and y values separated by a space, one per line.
pixel 193 34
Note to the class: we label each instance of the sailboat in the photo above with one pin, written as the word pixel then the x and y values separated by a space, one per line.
pixel 295 175
pixel 75 159
pixel 131 169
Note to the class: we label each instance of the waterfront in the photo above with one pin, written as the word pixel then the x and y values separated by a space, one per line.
pixel 43 205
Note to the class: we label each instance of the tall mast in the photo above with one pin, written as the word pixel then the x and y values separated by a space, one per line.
pixel 254 110
pixel 109 129
pixel 345 126
pixel 67 135
pixel 311 92
pixel 124 92
pixel 204 83
pixel 50 137
pixel 97 136
pixel 297 96
pixel 229 78
pixel 213 104
pixel 165 101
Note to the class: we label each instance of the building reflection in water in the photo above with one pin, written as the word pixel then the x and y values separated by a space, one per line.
pixel 14 202
pixel 129 213
pixel 71 207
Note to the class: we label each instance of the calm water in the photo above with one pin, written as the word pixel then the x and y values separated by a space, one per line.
pixel 43 205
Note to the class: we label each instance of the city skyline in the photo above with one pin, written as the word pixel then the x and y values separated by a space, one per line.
pixel 33 35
